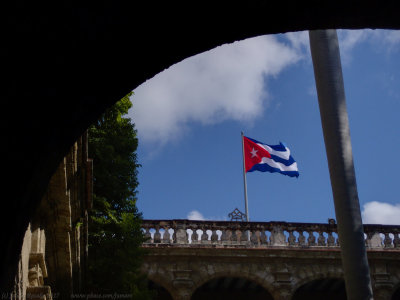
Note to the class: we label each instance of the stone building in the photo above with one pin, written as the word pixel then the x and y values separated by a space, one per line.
pixel 55 246
pixel 196 259
pixel 192 260
pixel 55 86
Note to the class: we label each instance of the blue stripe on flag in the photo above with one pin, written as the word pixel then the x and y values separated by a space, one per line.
pixel 268 168
pixel 281 147
pixel 282 160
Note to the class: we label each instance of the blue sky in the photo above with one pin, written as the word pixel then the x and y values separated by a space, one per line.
pixel 189 119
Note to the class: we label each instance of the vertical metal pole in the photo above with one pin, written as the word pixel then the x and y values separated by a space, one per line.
pixel 332 104
pixel 245 182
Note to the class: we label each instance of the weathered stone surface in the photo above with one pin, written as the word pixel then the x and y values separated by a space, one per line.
pixel 54 250
pixel 277 236
pixel 279 268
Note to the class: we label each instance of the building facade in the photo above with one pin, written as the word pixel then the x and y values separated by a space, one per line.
pixel 55 247
pixel 262 260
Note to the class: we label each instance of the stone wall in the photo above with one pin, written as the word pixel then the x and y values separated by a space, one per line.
pixel 281 257
pixel 55 247
pixel 281 272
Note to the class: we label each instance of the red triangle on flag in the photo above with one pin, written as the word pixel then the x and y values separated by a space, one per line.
pixel 253 153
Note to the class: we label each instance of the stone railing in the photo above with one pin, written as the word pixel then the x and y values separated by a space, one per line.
pixel 187 233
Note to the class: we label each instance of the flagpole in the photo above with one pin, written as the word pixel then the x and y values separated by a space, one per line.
pixel 329 81
pixel 245 182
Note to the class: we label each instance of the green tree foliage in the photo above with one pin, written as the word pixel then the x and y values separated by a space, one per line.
pixel 112 145
pixel 114 228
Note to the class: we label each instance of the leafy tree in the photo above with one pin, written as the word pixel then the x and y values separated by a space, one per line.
pixel 114 229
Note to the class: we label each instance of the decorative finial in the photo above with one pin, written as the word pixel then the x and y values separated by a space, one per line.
pixel 237 216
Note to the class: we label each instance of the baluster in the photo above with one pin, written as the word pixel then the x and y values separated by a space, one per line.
pixel 291 238
pixel 277 236
pixel 311 238
pixel 387 241
pixel 331 239
pixel 225 236
pixel 180 234
pixel 166 237
pixel 254 237
pixel 234 237
pixel 302 239
pixel 263 237
pixel 195 236
pixel 367 239
pixel 157 235
pixel 244 236
pixel 396 240
pixel 147 235
pixel 214 236
pixel 174 235
pixel 204 236
pixel 321 239
pixel 374 240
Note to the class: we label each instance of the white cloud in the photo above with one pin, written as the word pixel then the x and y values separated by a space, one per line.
pixel 226 83
pixel 392 37
pixel 300 41
pixel 386 40
pixel 348 39
pixel 195 215
pixel 383 40
pixel 381 213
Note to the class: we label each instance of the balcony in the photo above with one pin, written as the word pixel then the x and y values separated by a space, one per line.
pixel 220 234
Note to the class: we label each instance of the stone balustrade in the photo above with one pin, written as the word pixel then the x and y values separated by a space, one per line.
pixel 186 233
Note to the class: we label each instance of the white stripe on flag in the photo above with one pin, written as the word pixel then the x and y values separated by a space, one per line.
pixel 282 154
pixel 282 167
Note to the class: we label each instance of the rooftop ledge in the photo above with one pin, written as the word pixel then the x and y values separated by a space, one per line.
pixel 182 232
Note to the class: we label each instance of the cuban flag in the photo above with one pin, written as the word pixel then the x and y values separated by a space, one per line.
pixel 266 158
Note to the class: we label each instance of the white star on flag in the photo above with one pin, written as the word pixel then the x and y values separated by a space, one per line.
pixel 254 153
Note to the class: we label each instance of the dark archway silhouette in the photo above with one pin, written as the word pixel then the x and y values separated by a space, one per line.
pixel 65 62
pixel 327 289
pixel 232 288
pixel 396 294
pixel 160 293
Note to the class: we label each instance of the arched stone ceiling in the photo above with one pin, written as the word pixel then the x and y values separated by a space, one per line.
pixel 64 62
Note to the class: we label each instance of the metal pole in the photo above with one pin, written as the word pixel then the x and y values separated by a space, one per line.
pixel 245 182
pixel 332 104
